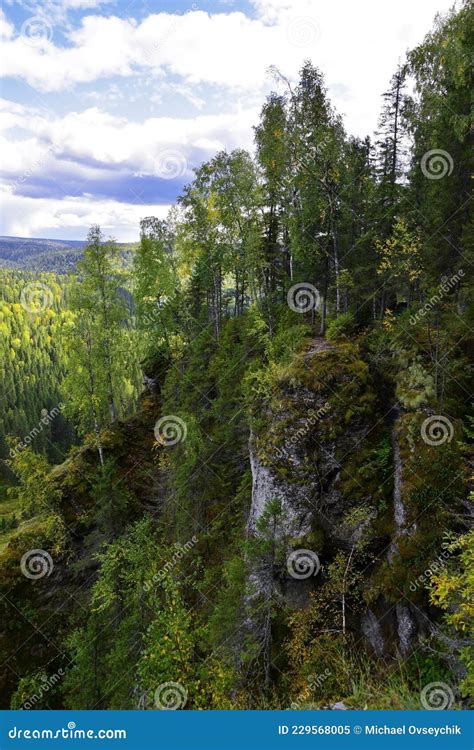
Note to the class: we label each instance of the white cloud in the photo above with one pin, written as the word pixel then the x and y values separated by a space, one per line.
pixel 355 44
pixel 104 141
pixel 77 4
pixel 7 29
pixel 203 59
pixel 57 10
pixel 93 148
pixel 196 46
pixel 28 217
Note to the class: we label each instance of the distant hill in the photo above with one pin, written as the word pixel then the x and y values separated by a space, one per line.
pixel 37 254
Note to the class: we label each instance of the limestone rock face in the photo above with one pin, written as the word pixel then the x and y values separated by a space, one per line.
pixel 268 485
pixel 406 627
pixel 306 455
pixel 372 632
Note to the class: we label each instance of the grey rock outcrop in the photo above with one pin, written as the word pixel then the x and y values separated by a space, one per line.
pixel 301 464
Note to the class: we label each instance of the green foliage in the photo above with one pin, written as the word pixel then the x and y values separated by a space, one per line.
pixel 33 317
pixel 103 374
pixel 111 499
pixel 37 691
pixel 340 327
pixel 452 590
pixel 38 495
pixel 150 537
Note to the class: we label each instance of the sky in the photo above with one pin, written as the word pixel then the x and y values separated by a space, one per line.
pixel 107 105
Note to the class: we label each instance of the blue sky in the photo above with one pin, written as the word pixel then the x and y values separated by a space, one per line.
pixel 107 105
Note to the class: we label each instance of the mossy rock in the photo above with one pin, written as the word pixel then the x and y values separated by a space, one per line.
pixel 314 541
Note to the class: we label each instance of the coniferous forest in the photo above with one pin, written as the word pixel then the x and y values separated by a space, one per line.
pixel 236 458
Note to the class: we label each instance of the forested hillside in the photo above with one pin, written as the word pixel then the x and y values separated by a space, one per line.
pixel 33 316
pixel 49 256
pixel 269 502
